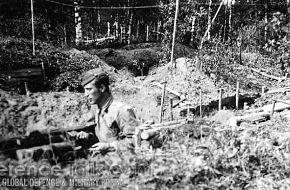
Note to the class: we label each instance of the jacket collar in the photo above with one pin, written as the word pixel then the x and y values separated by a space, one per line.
pixel 107 104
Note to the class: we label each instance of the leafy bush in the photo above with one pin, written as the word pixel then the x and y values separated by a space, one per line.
pixel 62 69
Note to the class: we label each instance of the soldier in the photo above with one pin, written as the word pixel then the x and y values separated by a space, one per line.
pixel 115 122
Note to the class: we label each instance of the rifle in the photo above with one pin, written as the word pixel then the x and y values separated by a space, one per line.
pixel 46 137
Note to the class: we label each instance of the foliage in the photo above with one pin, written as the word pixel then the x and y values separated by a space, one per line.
pixel 62 69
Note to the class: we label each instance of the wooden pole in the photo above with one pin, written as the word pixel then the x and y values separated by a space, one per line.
pixel 27 91
pixel 174 33
pixel 147 33
pixel 171 108
pixel 43 72
pixel 220 99
pixel 162 102
pixel 32 28
pixel 208 28
pixel 237 95
pixel 109 29
pixel 200 103
pixel 121 33
pixel 273 108
pixel 263 90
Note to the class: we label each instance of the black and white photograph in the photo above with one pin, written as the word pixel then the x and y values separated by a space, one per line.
pixel 145 94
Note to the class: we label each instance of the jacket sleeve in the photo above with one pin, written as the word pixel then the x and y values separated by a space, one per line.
pixel 127 122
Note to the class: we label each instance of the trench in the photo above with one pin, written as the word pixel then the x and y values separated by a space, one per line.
pixel 227 102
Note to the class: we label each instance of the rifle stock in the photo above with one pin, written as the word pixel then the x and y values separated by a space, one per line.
pixel 40 138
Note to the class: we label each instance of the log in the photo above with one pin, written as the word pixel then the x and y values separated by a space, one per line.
pixel 252 118
pixel 267 75
pixel 169 123
pixel 147 134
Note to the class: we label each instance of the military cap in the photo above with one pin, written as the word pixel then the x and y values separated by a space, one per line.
pixel 98 74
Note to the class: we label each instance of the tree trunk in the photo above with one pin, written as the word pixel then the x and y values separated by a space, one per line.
pixel 64 35
pixel 78 26
pixel 209 19
pixel 130 29
pixel 147 33
pixel 192 29
pixel 137 29
pixel 266 21
pixel 288 11
pixel 230 17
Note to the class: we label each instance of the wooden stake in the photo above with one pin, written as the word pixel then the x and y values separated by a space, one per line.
pixel 220 98
pixel 162 102
pixel 237 95
pixel 174 33
pixel 43 72
pixel 263 90
pixel 121 33
pixel 171 108
pixel 147 33
pixel 109 29
pixel 273 108
pixel 27 92
pixel 137 138
pixel 200 103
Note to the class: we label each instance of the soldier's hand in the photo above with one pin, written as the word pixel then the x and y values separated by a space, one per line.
pixel 82 135
pixel 99 147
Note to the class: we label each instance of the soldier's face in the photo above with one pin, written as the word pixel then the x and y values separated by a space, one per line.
pixel 93 93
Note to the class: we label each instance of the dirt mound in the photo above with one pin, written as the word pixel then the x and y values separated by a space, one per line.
pixel 22 114
pixel 185 79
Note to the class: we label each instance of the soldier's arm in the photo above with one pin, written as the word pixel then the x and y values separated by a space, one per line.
pixel 127 122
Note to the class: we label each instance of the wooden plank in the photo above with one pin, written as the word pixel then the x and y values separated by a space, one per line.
pixel 279 106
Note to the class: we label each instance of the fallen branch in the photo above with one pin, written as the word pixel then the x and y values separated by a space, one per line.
pixel 285 89
pixel 267 75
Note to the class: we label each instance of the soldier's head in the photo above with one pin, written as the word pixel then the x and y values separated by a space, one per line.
pixel 96 84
